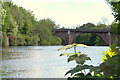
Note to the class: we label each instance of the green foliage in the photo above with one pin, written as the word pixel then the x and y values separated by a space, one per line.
pixel 88 38
pixel 101 26
pixel 44 29
pixel 35 40
pixel 80 60
pixel 109 69
pixel 116 9
pixel 55 40
pixel 28 40
pixel 5 40
pixel 111 64
pixel 20 40
pixel 72 45
pixel 111 52
pixel 115 27
pixel 87 26
pixel 2 14
pixel 26 29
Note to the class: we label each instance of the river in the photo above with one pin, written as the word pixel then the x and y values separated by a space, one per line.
pixel 43 61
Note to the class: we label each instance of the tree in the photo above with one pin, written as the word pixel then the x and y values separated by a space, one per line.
pixel 44 29
pixel 115 6
pixel 87 26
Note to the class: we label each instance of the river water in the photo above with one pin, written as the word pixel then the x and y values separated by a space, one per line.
pixel 43 61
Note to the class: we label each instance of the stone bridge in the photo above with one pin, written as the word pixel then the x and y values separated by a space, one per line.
pixel 69 35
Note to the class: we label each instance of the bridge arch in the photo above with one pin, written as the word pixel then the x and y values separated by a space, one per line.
pixel 64 42
pixel 88 39
pixel 62 35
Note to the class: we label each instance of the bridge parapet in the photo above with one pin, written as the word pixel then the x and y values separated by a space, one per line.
pixel 86 30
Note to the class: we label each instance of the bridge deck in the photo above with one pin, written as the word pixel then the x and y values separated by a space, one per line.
pixel 83 31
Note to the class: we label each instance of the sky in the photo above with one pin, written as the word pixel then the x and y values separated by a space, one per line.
pixel 69 13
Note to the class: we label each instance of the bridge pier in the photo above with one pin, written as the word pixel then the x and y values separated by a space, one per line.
pixel 72 36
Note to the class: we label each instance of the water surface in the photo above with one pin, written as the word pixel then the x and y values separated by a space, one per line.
pixel 43 61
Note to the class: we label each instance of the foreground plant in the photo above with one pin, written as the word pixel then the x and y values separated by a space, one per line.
pixel 109 69
pixel 80 70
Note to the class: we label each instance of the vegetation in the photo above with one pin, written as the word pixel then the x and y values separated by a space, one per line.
pixel 111 63
pixel 88 38
pixel 108 69
pixel 115 28
pixel 91 39
pixel 20 27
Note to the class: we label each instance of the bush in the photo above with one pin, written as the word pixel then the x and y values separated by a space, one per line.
pixel 20 40
pixel 35 40
pixel 55 40
pixel 28 40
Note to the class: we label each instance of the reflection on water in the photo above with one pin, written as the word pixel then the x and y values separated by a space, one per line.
pixel 42 61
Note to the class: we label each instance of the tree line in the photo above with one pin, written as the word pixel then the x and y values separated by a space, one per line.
pixel 20 27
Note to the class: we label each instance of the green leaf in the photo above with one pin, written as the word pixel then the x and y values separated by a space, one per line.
pixel 89 75
pixel 72 45
pixel 82 58
pixel 66 47
pixel 79 61
pixel 81 45
pixel 66 54
pixel 113 47
pixel 72 57
pixel 85 67
pixel 94 69
pixel 74 70
pixel 79 75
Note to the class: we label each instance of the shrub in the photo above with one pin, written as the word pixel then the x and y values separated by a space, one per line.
pixel 35 40
pixel 28 40
pixel 20 40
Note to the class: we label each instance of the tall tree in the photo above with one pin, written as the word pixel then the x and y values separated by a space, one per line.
pixel 115 6
pixel 115 28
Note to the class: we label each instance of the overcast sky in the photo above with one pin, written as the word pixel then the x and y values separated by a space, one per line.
pixel 69 13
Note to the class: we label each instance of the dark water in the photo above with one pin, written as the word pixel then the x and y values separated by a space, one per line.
pixel 43 61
